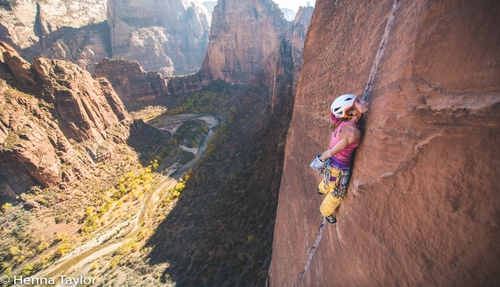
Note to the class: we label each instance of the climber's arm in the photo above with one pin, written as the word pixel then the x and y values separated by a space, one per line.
pixel 348 135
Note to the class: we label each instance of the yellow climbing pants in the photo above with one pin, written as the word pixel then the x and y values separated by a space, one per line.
pixel 330 203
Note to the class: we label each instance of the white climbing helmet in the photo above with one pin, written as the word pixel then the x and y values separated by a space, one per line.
pixel 341 104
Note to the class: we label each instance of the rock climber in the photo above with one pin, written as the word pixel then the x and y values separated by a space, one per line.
pixel 335 163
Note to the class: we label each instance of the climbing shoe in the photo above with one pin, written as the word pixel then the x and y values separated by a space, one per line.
pixel 319 192
pixel 331 219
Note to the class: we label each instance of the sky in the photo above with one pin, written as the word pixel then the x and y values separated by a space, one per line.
pixel 293 4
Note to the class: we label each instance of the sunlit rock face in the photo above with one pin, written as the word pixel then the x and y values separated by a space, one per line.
pixel 422 206
pixel 245 41
pixel 55 132
pixel 168 36
pixel 68 30
pixel 23 22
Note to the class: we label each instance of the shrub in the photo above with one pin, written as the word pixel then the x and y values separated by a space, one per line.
pixel 6 207
pixel 42 245
pixel 63 249
pixel 14 250
pixel 61 236
pixel 27 269
pixel 115 261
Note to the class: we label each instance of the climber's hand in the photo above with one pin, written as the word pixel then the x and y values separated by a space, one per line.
pixel 362 106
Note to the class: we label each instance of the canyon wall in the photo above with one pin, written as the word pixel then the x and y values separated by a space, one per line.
pixel 252 43
pixel 168 36
pixel 138 88
pixel 56 122
pixel 300 25
pixel 244 42
pixel 23 22
pixel 422 206
pixel 130 82
pixel 67 30
pixel 273 61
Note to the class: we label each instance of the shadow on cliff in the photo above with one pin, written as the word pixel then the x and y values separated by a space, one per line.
pixel 5 37
pixel 74 41
pixel 145 139
pixel 220 231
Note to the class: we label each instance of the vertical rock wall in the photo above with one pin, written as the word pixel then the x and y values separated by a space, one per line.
pixel 422 206
pixel 129 81
pixel 244 42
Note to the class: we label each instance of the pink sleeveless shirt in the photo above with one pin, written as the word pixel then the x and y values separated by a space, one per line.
pixel 344 155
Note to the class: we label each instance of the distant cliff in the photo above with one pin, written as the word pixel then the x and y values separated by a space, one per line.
pixel 251 43
pixel 288 14
pixel 422 206
pixel 130 82
pixel 238 53
pixel 168 36
pixel 244 41
pixel 67 30
pixel 54 131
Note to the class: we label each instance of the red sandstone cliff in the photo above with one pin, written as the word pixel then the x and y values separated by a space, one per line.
pixel 244 42
pixel 422 206
pixel 262 50
pixel 137 88
pixel 252 43
pixel 55 132
pixel 129 81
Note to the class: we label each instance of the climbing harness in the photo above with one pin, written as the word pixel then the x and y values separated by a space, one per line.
pixel 324 171
pixel 341 182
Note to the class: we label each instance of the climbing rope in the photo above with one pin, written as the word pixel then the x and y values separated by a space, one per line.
pixel 381 49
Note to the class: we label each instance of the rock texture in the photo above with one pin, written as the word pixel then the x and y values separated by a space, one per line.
pixel 168 36
pixel 67 30
pixel 57 135
pixel 84 46
pixel 130 81
pixel 245 41
pixel 24 22
pixel 422 206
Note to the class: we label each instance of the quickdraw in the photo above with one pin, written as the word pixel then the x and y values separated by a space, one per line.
pixel 341 183
pixel 324 171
